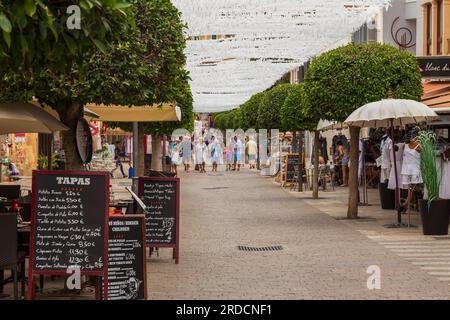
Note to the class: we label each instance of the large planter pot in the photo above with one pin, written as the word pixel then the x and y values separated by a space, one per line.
pixel 435 218
pixel 387 197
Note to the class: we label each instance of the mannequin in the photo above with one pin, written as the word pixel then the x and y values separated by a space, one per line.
pixel 386 145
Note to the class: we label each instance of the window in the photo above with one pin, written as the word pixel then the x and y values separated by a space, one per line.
pixel 429 28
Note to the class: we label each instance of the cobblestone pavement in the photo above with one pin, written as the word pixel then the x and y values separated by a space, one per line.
pixel 322 257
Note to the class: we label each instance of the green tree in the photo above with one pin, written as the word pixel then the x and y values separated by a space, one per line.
pixel 148 67
pixel 249 111
pixel 35 35
pixel 46 60
pixel 270 106
pixel 344 79
pixel 143 66
pixel 295 113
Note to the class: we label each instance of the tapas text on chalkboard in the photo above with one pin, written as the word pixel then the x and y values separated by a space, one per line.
pixel 161 197
pixel 69 223
pixel 127 276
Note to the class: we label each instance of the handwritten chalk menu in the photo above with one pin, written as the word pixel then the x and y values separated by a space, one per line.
pixel 161 196
pixel 292 164
pixel 126 258
pixel 69 221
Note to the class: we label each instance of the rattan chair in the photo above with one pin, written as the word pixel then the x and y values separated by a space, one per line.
pixel 10 257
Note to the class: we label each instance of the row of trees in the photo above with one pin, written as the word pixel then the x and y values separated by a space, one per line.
pixel 127 52
pixel 336 83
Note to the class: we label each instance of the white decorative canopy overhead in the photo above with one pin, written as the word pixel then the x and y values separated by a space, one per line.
pixel 237 48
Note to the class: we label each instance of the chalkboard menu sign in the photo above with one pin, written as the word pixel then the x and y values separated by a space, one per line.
pixel 127 276
pixel 69 222
pixel 161 197
pixel 292 164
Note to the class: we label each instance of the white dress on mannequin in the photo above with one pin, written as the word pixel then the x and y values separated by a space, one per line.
pixel 386 146
pixel 411 167
pixel 399 161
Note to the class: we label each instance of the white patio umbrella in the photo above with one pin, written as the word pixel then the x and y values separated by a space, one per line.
pixel 390 113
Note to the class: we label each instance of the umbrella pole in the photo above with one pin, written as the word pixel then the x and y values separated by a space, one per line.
pixel 49 151
pixel 397 189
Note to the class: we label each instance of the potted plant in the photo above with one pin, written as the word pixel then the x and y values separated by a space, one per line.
pixel 433 210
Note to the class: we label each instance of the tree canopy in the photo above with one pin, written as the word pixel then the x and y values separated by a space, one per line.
pixel 141 66
pixel 36 36
pixel 344 79
pixel 296 114
pixel 270 106
pixel 249 111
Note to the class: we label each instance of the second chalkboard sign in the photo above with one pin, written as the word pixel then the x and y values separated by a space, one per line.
pixel 127 276
pixel 162 199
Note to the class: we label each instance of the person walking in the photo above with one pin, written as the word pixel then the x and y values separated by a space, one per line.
pixel 200 154
pixel 118 154
pixel 215 155
pixel 186 148
pixel 237 153
pixel 175 155
pixel 252 151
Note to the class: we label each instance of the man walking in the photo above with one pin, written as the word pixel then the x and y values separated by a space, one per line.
pixel 118 153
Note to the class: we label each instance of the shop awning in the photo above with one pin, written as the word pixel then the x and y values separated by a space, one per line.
pixel 22 117
pixel 155 113
pixel 437 96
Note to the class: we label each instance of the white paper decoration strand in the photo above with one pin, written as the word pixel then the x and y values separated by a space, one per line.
pixel 265 39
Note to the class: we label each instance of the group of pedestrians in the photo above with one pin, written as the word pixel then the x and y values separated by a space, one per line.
pixel 185 151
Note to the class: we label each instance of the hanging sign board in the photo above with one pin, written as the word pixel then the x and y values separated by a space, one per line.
pixel 69 225
pixel 161 197
pixel 434 67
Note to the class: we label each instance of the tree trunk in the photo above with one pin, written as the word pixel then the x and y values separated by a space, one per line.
pixel 353 174
pixel 69 114
pixel 316 166
pixel 141 150
pixel 156 152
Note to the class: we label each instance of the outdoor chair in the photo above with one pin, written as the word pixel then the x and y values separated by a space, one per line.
pixel 10 192
pixel 10 257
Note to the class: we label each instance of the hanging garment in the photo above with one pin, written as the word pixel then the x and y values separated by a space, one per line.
pixel 443 167
pixel 386 145
pixel 399 161
pixel 361 158
pixel 411 166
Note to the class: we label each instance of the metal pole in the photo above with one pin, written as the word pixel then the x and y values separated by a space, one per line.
pixel 49 139
pixel 397 190
pixel 300 165
pixel 135 156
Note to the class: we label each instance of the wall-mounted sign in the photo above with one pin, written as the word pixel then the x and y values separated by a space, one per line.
pixel 434 67
pixel 84 141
